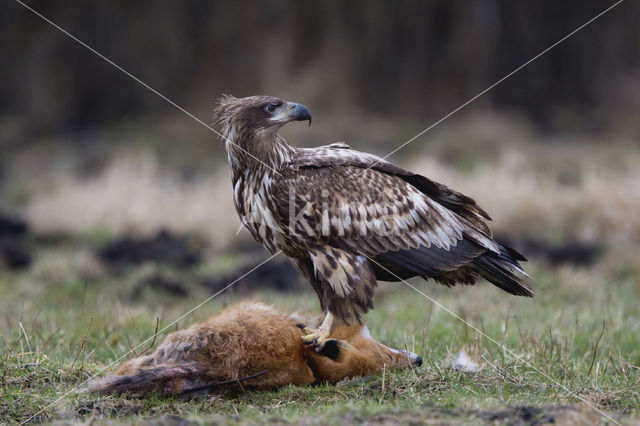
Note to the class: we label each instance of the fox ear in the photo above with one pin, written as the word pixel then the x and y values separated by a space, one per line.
pixel 331 349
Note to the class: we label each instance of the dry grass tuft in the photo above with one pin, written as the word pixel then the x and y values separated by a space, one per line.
pixel 134 194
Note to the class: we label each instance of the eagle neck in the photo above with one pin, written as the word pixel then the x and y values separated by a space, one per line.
pixel 250 154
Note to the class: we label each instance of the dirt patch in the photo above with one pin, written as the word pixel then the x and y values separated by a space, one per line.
pixel 516 416
pixel 577 253
pixel 14 253
pixel 163 247
pixel 160 283
pixel 513 416
pixel 277 274
pixel 170 420
pixel 525 415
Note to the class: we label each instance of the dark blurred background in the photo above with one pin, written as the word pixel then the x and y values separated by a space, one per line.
pixel 87 151
pixel 408 57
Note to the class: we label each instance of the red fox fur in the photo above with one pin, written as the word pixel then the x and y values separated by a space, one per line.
pixel 252 343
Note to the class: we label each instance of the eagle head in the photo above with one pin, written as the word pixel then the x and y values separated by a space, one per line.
pixel 260 115
pixel 249 128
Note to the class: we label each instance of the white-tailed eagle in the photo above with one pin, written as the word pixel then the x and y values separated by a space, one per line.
pixel 347 218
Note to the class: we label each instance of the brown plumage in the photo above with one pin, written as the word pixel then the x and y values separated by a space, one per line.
pixel 346 218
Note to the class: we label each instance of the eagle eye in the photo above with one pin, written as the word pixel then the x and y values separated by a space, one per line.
pixel 271 108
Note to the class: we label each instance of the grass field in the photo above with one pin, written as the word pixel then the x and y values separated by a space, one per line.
pixel 571 355
pixel 577 344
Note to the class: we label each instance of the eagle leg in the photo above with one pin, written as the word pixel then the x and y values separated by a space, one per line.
pixel 318 337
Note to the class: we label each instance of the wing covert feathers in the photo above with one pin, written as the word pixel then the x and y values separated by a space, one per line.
pixel 340 154
pixel 358 206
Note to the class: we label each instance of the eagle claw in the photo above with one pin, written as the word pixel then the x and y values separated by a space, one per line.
pixel 316 338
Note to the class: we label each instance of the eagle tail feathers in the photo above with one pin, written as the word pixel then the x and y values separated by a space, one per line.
pixel 504 271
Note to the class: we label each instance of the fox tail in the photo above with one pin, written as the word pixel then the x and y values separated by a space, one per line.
pixel 165 379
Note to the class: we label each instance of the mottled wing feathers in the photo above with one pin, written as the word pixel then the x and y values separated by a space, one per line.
pixel 405 224
pixel 459 203
pixel 372 210
pixel 340 154
pixel 368 211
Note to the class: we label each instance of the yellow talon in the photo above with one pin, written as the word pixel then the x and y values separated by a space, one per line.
pixel 315 337
pixel 318 337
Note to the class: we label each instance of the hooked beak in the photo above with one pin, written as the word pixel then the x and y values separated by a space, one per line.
pixel 299 112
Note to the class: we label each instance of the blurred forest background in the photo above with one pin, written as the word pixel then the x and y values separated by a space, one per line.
pixel 389 58
pixel 551 152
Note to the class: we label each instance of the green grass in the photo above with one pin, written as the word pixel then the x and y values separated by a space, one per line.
pixel 67 319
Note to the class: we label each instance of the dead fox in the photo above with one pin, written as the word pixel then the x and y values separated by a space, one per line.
pixel 254 344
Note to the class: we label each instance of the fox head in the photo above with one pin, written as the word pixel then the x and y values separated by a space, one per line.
pixel 353 352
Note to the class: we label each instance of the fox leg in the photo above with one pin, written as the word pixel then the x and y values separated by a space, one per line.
pixel 317 337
